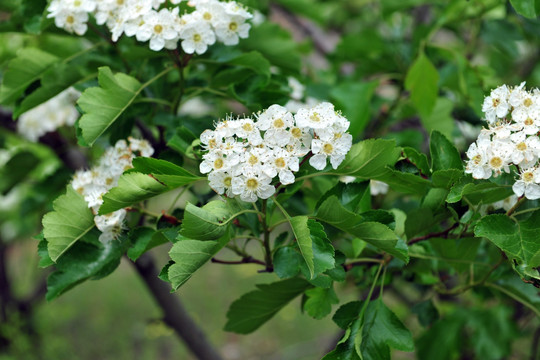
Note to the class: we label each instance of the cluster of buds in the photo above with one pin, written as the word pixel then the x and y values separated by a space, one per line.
pixel 245 155
pixel 94 183
pixel 148 20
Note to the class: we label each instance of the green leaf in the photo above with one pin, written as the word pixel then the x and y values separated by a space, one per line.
pixel 444 154
pixel 405 182
pixel 144 239
pixel 169 174
pixel 68 223
pixel 519 240
pixel 257 307
pixel 347 314
pixel 376 234
pixel 440 119
pixel 348 346
pixel 87 259
pixel 463 250
pixel 354 100
pixel 189 255
pixel 16 170
pixel 319 302
pixel 418 159
pixel 103 105
pixel 526 8
pixel 421 81
pixel 22 71
pixel 55 80
pixel 287 262
pixel 369 158
pixel 427 312
pixel 383 329
pixel 314 246
pixel 206 223
pixel 446 178
pixel 44 258
pixel 132 188
pixel 354 196
pixel 477 193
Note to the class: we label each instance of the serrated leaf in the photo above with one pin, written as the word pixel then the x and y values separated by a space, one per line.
pixel 189 255
pixel 170 174
pixel 44 258
pixel 376 234
pixel 418 159
pixel 464 249
pixel 444 154
pixel 354 197
pixel 348 346
pixel 518 239
pixel 68 223
pixel 369 158
pixel 287 262
pixel 421 81
pixel 87 259
pixel 319 302
pixel 383 329
pixel 526 8
pixel 103 105
pixel 405 182
pixel 206 223
pixel 446 178
pixel 132 188
pixel 22 71
pixel 347 314
pixel 257 307
pixel 481 193
pixel 316 249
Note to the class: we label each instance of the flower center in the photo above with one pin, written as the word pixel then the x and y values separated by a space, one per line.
pixel 77 3
pixel 218 164
pixel 521 146
pixel 477 159
pixel 278 123
pixel 496 102
pixel 528 176
pixel 120 2
pixel 233 26
pixel 496 162
pixel 109 181
pixel 280 163
pixel 197 38
pixel 528 102
pixel 212 143
pixel 296 132
pixel 315 117
pixel 253 160
pixel 252 184
pixel 70 19
pixel 227 181
pixel 207 16
pixel 529 121
pixel 328 148
pixel 247 127
pixel 158 29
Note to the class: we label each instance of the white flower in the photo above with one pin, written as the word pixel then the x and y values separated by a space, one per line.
pixel 230 29
pixel 246 129
pixel 319 117
pixel 275 121
pixel 377 187
pixel 158 27
pixel 478 158
pixel 221 182
pixel 526 149
pixel 196 37
pixel 496 105
pixel 110 225
pixel 250 187
pixel 526 104
pixel 526 185
pixel 336 149
pixel 282 163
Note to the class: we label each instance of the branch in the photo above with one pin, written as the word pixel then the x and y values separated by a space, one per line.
pixel 246 260
pixel 443 233
pixel 174 313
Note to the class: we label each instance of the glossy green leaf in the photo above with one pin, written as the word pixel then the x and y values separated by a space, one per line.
pixel 376 234
pixel 206 223
pixel 22 71
pixel 144 239
pixel 354 196
pixel 446 178
pixel 166 172
pixel 462 250
pixel 526 8
pixel 287 262
pixel 132 188
pixel 189 255
pixel 257 307
pixel 382 329
pixel 87 259
pixel 348 347
pixel 444 154
pixel 347 314
pixel 405 182
pixel 369 158
pixel 477 193
pixel 319 302
pixel 418 159
pixel 316 249
pixel 519 240
pixel 421 81
pixel 68 223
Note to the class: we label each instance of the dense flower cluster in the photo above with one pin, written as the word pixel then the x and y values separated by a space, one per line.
pixel 211 21
pixel 94 183
pixel 245 155
pixel 58 111
pixel 511 140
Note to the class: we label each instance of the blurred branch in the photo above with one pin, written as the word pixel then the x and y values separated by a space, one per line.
pixel 174 313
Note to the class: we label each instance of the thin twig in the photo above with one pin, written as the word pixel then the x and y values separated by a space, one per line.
pixel 246 260
pixel 443 233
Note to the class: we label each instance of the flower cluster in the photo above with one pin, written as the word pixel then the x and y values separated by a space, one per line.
pixel 147 20
pixel 511 140
pixel 245 155
pixel 58 111
pixel 94 183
